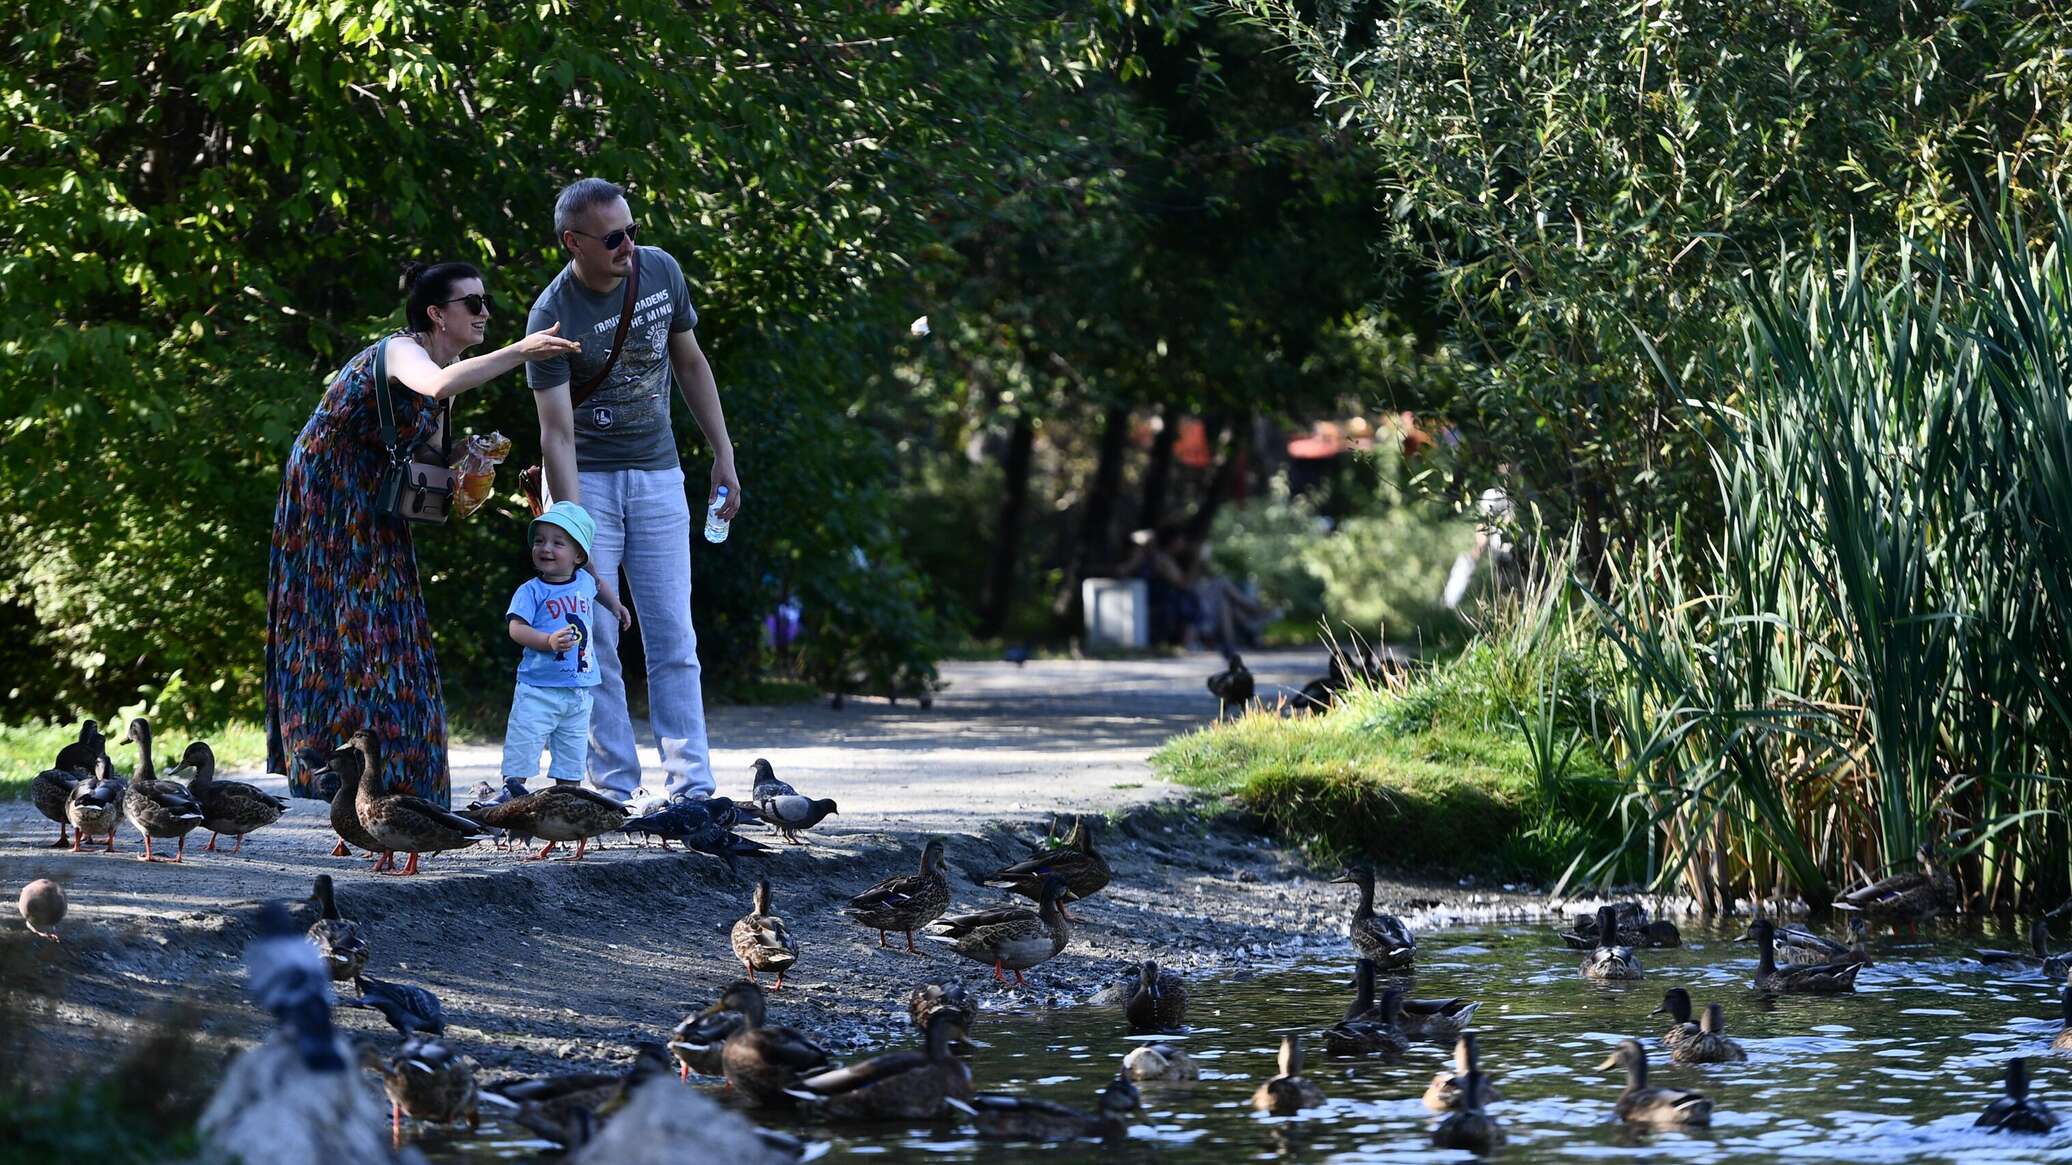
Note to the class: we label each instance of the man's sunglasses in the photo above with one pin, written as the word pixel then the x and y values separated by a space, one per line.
pixel 477 304
pixel 611 241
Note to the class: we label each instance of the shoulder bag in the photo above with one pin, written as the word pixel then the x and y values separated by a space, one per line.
pixel 534 477
pixel 418 486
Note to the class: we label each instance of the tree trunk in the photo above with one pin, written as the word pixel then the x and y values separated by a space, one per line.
pixel 1096 544
pixel 1007 538
pixel 1151 510
pixel 1228 472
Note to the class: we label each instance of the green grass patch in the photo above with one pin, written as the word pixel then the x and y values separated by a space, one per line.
pixel 28 749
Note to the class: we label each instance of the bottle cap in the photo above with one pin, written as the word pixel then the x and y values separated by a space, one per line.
pixel 722 491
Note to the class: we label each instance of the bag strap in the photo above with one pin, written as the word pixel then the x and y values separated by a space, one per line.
pixel 578 396
pixel 385 405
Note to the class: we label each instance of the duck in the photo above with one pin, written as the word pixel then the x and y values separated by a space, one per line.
pixel 426 1081
pixel 1083 869
pixel 1710 1045
pixel 910 1085
pixel 1159 1004
pixel 1438 1020
pixel 231 807
pixel 349 764
pixel 157 808
pixel 557 814
pixel 1380 937
pixel 1447 1090
pixel 1160 1064
pixel 1467 1125
pixel 553 1106
pixel 2017 1111
pixel 1289 1092
pixel 763 1061
pixel 1233 685
pixel 906 901
pixel 699 1042
pixel 1676 1004
pixel 1636 929
pixel 999 1117
pixel 1909 898
pixel 2062 1042
pixel 51 790
pixel 1818 979
pixel 1802 948
pixel 2038 955
pixel 407 1009
pixel 761 940
pixel 402 823
pixel 1019 944
pixel 949 996
pixel 1658 1107
pixel 95 806
pixel 1609 961
pixel 1367 1030
pixel 337 938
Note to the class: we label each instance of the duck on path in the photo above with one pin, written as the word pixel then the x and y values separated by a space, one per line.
pixel 161 809
pixel 403 822
pixel 906 901
pixel 95 806
pixel 1084 870
pixel 51 790
pixel 337 938
pixel 761 940
pixel 1021 943
pixel 231 807
pixel 349 765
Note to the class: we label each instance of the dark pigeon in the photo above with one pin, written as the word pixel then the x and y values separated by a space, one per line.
pixel 407 1009
pixel 767 785
pixel 287 977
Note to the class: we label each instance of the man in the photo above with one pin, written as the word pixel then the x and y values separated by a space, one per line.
pixel 615 454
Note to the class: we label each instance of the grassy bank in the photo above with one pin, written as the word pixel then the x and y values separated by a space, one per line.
pixel 28 749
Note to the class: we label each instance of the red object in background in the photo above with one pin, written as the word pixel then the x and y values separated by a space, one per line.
pixel 1325 440
pixel 1191 447
pixel 1415 440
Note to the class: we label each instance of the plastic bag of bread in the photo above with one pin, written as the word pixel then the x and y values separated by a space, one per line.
pixel 475 461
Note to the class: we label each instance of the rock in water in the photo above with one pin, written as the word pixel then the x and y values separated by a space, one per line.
pixel 665 1124
pixel 43 906
pixel 273 1107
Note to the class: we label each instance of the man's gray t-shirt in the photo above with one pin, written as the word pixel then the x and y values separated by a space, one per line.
pixel 625 423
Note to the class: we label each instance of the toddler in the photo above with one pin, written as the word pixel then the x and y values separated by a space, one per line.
pixel 550 617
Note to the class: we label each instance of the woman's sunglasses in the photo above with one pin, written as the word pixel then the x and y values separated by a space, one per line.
pixel 611 241
pixel 477 304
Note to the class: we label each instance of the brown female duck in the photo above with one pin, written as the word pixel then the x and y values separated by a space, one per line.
pixel 895 1086
pixel 1022 943
pixel 426 1081
pixel 51 790
pixel 761 940
pixel 557 814
pixel 403 823
pixel 349 764
pixel 906 901
pixel 1159 1003
pixel 337 938
pixel 1447 1090
pixel 1380 937
pixel 1084 870
pixel 1290 1092
pixel 95 806
pixel 231 807
pixel 1467 1126
pixel 1710 1045
pixel 1905 898
pixel 1820 979
pixel 763 1061
pixel 1160 1064
pixel 1660 1107
pixel 2062 1042
pixel 156 808
pixel 950 997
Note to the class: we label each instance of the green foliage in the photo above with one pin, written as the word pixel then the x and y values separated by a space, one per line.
pixel 1388 572
pixel 28 749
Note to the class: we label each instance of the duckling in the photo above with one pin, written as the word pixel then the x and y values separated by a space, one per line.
pixel 1019 944
pixel 337 938
pixel 2062 1042
pixel 157 808
pixel 51 790
pixel 1380 937
pixel 1803 948
pixel 1905 898
pixel 426 1081
pixel 906 901
pixel 407 1009
pixel 558 813
pixel 1368 1030
pixel 895 1086
pixel 1610 961
pixel 1467 1126
pixel 1159 1004
pixel 949 996
pixel 1676 1004
pixel 763 1061
pixel 349 765
pixel 2017 1111
pixel 1160 1064
pixel 1290 1092
pixel 1024 1118
pixel 95 806
pixel 1710 1045
pixel 403 823
pixel 762 942
pixel 1448 1089
pixel 1082 867
pixel 231 807
pixel 1820 979
pixel 42 903
pixel 1660 1107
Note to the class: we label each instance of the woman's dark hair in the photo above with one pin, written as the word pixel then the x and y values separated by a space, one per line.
pixel 428 284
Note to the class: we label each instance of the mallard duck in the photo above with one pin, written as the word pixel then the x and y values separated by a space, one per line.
pixel 1905 898
pixel 1083 869
pixel 999 1117
pixel 761 941
pixel 906 901
pixel 1467 1126
pixel 1447 1092
pixel 42 903
pixel 1289 1092
pixel 911 1085
pixel 2035 957
pixel 407 1009
pixel 699 1042
pixel 2062 1042
pixel 51 790
pixel 1636 929
pixel 763 1061
pixel 1367 1029
pixel 231 807
pixel 95 806
pixel 157 808
pixel 1019 944
pixel 427 1081
pixel 566 1108
pixel 949 997
pixel 337 938
pixel 1160 1064
pixel 1642 1105
pixel 349 764
pixel 1609 961
pixel 558 813
pixel 1819 979
pixel 2017 1111
pixel 1710 1045
pixel 1802 948
pixel 1676 1004
pixel 1380 937
pixel 1438 1020
pixel 1159 1004
pixel 402 823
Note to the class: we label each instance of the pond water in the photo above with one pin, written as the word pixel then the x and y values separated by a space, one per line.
pixel 1897 1072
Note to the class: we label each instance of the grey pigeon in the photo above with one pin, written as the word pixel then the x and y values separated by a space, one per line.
pixel 287 977
pixel 767 785
pixel 789 815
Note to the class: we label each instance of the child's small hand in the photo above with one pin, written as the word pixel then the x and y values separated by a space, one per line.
pixel 624 613
pixel 562 640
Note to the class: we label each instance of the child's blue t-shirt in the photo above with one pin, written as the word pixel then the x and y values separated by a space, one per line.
pixel 549 607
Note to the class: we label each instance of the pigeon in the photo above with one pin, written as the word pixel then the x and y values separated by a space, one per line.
pixel 287 977
pixel 1232 685
pixel 767 785
pixel 789 815
pixel 697 823
pixel 407 1009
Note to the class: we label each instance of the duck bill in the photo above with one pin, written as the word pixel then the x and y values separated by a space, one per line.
pixel 1610 1062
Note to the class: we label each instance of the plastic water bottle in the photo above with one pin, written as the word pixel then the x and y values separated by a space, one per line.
pixel 716 526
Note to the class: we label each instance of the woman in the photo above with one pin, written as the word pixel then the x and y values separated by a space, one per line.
pixel 348 643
